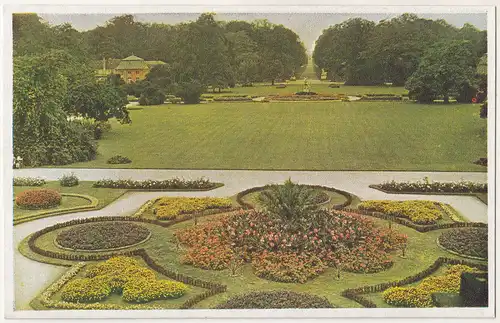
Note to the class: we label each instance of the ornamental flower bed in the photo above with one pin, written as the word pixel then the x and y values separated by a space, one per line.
pixel 466 241
pixel 28 181
pixel 282 253
pixel 104 235
pixel 168 208
pixel 420 295
pixel 121 275
pixel 173 184
pixel 439 187
pixel 38 199
pixel 420 212
pixel 275 299
pixel 304 97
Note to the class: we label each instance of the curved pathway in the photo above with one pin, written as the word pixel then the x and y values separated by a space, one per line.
pixel 36 276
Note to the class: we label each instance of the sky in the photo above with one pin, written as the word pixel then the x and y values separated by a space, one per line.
pixel 307 25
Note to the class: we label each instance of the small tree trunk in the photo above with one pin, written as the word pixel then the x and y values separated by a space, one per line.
pixel 446 99
pixel 272 82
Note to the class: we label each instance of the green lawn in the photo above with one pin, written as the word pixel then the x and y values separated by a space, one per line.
pixel 316 86
pixel 299 136
pixel 104 195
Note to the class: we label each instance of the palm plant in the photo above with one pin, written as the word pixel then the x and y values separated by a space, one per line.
pixel 292 203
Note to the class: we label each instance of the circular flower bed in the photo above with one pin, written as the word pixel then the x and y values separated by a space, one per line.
pixel 104 235
pixel 38 199
pixel 466 241
pixel 275 299
pixel 284 251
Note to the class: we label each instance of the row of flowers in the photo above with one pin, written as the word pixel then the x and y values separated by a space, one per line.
pixel 337 239
pixel 420 212
pixel 168 208
pixel 420 295
pixel 28 181
pixel 426 185
pixel 122 275
pixel 174 183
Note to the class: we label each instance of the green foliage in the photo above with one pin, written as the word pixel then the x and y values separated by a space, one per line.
pixel 68 180
pixel 467 241
pixel 483 112
pixel 189 92
pixel 152 95
pixel 293 203
pixel 444 70
pixel 118 159
pixel 28 181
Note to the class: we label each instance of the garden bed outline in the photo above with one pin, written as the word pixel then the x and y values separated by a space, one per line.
pixel 457 253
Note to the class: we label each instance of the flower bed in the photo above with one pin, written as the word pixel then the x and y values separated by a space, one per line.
pixel 420 212
pixel 304 97
pixel 169 184
pixel 380 98
pixel 275 299
pixel 105 235
pixel 168 208
pixel 292 255
pixel 28 181
pixel 435 187
pixel 420 295
pixel 321 197
pixel 121 275
pixel 38 199
pixel 466 241
pixel 232 99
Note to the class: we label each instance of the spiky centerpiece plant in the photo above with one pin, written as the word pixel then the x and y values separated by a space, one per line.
pixel 292 239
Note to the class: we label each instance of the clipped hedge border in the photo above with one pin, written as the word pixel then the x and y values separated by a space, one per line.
pixel 94 202
pixel 355 294
pixel 248 206
pixel 414 226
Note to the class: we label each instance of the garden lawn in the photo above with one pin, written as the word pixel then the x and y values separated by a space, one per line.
pixel 104 195
pixel 299 136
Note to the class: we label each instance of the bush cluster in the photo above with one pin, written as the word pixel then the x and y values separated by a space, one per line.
pixel 105 235
pixel 275 299
pixel 168 208
pixel 483 161
pixel 420 212
pixel 420 295
pixel 121 275
pixel 428 186
pixel 466 241
pixel 118 159
pixel 38 199
pixel 335 238
pixel 68 180
pixel 173 184
pixel 28 181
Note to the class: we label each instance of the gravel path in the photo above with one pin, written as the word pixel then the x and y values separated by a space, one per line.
pixel 36 277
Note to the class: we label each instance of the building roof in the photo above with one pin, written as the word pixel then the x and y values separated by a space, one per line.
pixel 132 63
pixel 153 63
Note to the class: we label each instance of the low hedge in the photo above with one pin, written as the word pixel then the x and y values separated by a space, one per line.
pixel 169 184
pixel 275 299
pixel 28 181
pixel 118 159
pixel 466 241
pixel 355 294
pixel 38 199
pixel 106 235
pixel 380 98
pixel 68 180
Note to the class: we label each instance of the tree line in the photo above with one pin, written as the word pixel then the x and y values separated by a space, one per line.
pixel 430 57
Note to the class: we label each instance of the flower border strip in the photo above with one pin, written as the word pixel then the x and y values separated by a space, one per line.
pixel 245 205
pixel 417 227
pixel 379 188
pixel 94 202
pixel 355 294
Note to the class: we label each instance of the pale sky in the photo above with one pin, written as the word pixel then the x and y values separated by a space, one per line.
pixel 307 25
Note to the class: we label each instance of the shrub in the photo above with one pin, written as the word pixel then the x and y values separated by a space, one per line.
pixel 68 180
pixel 483 112
pixel 121 275
pixel 420 295
pixel 482 162
pixel 170 207
pixel 118 159
pixel 275 299
pixel 190 92
pixel 38 199
pixel 152 95
pixel 334 86
pixel 420 212
pixel 174 184
pixel 287 267
pixel 428 186
pixel 105 235
pixel 28 181
pixel 466 241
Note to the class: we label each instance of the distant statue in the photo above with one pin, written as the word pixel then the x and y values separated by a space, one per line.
pixel 306 85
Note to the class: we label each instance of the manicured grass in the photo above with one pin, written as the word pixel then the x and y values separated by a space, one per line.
pixel 315 85
pixel 299 136
pixel 104 195
pixel 422 251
